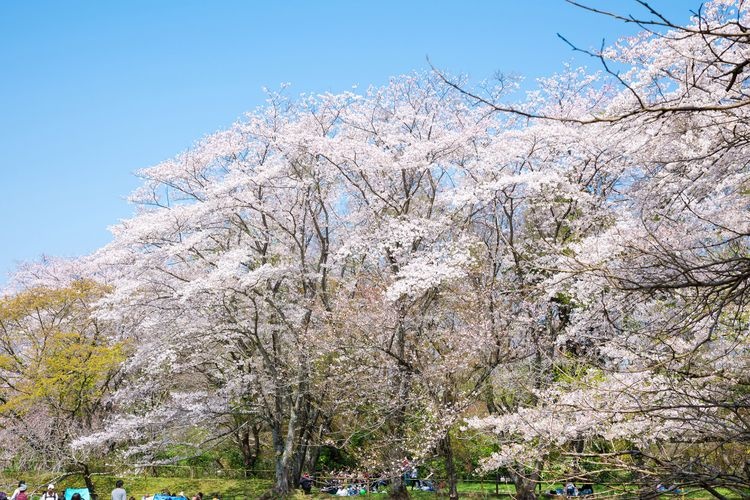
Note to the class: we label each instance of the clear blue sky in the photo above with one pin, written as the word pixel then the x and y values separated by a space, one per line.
pixel 92 91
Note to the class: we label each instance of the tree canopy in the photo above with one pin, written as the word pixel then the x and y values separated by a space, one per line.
pixel 383 274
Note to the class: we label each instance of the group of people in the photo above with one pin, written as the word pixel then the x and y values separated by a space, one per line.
pixel 345 485
pixel 22 493
pixel 668 489
pixel 571 490
pixel 349 490
pixel 166 495
pixel 410 475
pixel 119 493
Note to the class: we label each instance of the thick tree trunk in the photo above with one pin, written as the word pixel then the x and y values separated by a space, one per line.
pixel 305 437
pixel 450 468
pixel 87 480
pixel 403 380
pixel 398 488
pixel 299 462
pixel 281 468
pixel 311 464
pixel 250 448
pixel 256 442
pixel 285 467
pixel 525 485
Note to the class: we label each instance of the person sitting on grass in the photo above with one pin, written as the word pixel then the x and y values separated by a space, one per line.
pixel 586 489
pixel 570 489
pixel 306 483
pixel 672 489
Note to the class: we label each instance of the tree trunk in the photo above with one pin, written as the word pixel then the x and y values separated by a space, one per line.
pixel 281 472
pixel 307 423
pixel 525 485
pixel 398 488
pixel 250 450
pixel 403 380
pixel 450 468
pixel 314 455
pixel 646 490
pixel 285 463
pixel 312 460
pixel 89 483
pixel 256 437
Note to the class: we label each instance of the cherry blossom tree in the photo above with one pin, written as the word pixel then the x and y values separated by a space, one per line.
pixel 227 269
pixel 374 268
pixel 658 291
pixel 407 253
pixel 260 252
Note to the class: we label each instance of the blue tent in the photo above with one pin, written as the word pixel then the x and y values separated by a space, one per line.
pixel 84 492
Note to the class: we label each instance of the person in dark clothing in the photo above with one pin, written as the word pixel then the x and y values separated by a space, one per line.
pixel 586 489
pixel 306 483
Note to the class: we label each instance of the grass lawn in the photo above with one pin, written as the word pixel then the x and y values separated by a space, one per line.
pixel 138 486
pixel 237 489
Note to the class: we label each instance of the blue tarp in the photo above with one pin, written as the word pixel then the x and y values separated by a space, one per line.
pixel 84 492
pixel 159 496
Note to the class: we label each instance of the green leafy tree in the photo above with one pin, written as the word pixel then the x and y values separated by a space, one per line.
pixel 58 367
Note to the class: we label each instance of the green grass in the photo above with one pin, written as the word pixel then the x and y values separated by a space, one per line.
pixel 139 486
pixel 236 489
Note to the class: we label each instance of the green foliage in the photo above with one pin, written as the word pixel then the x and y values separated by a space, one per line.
pixel 54 354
